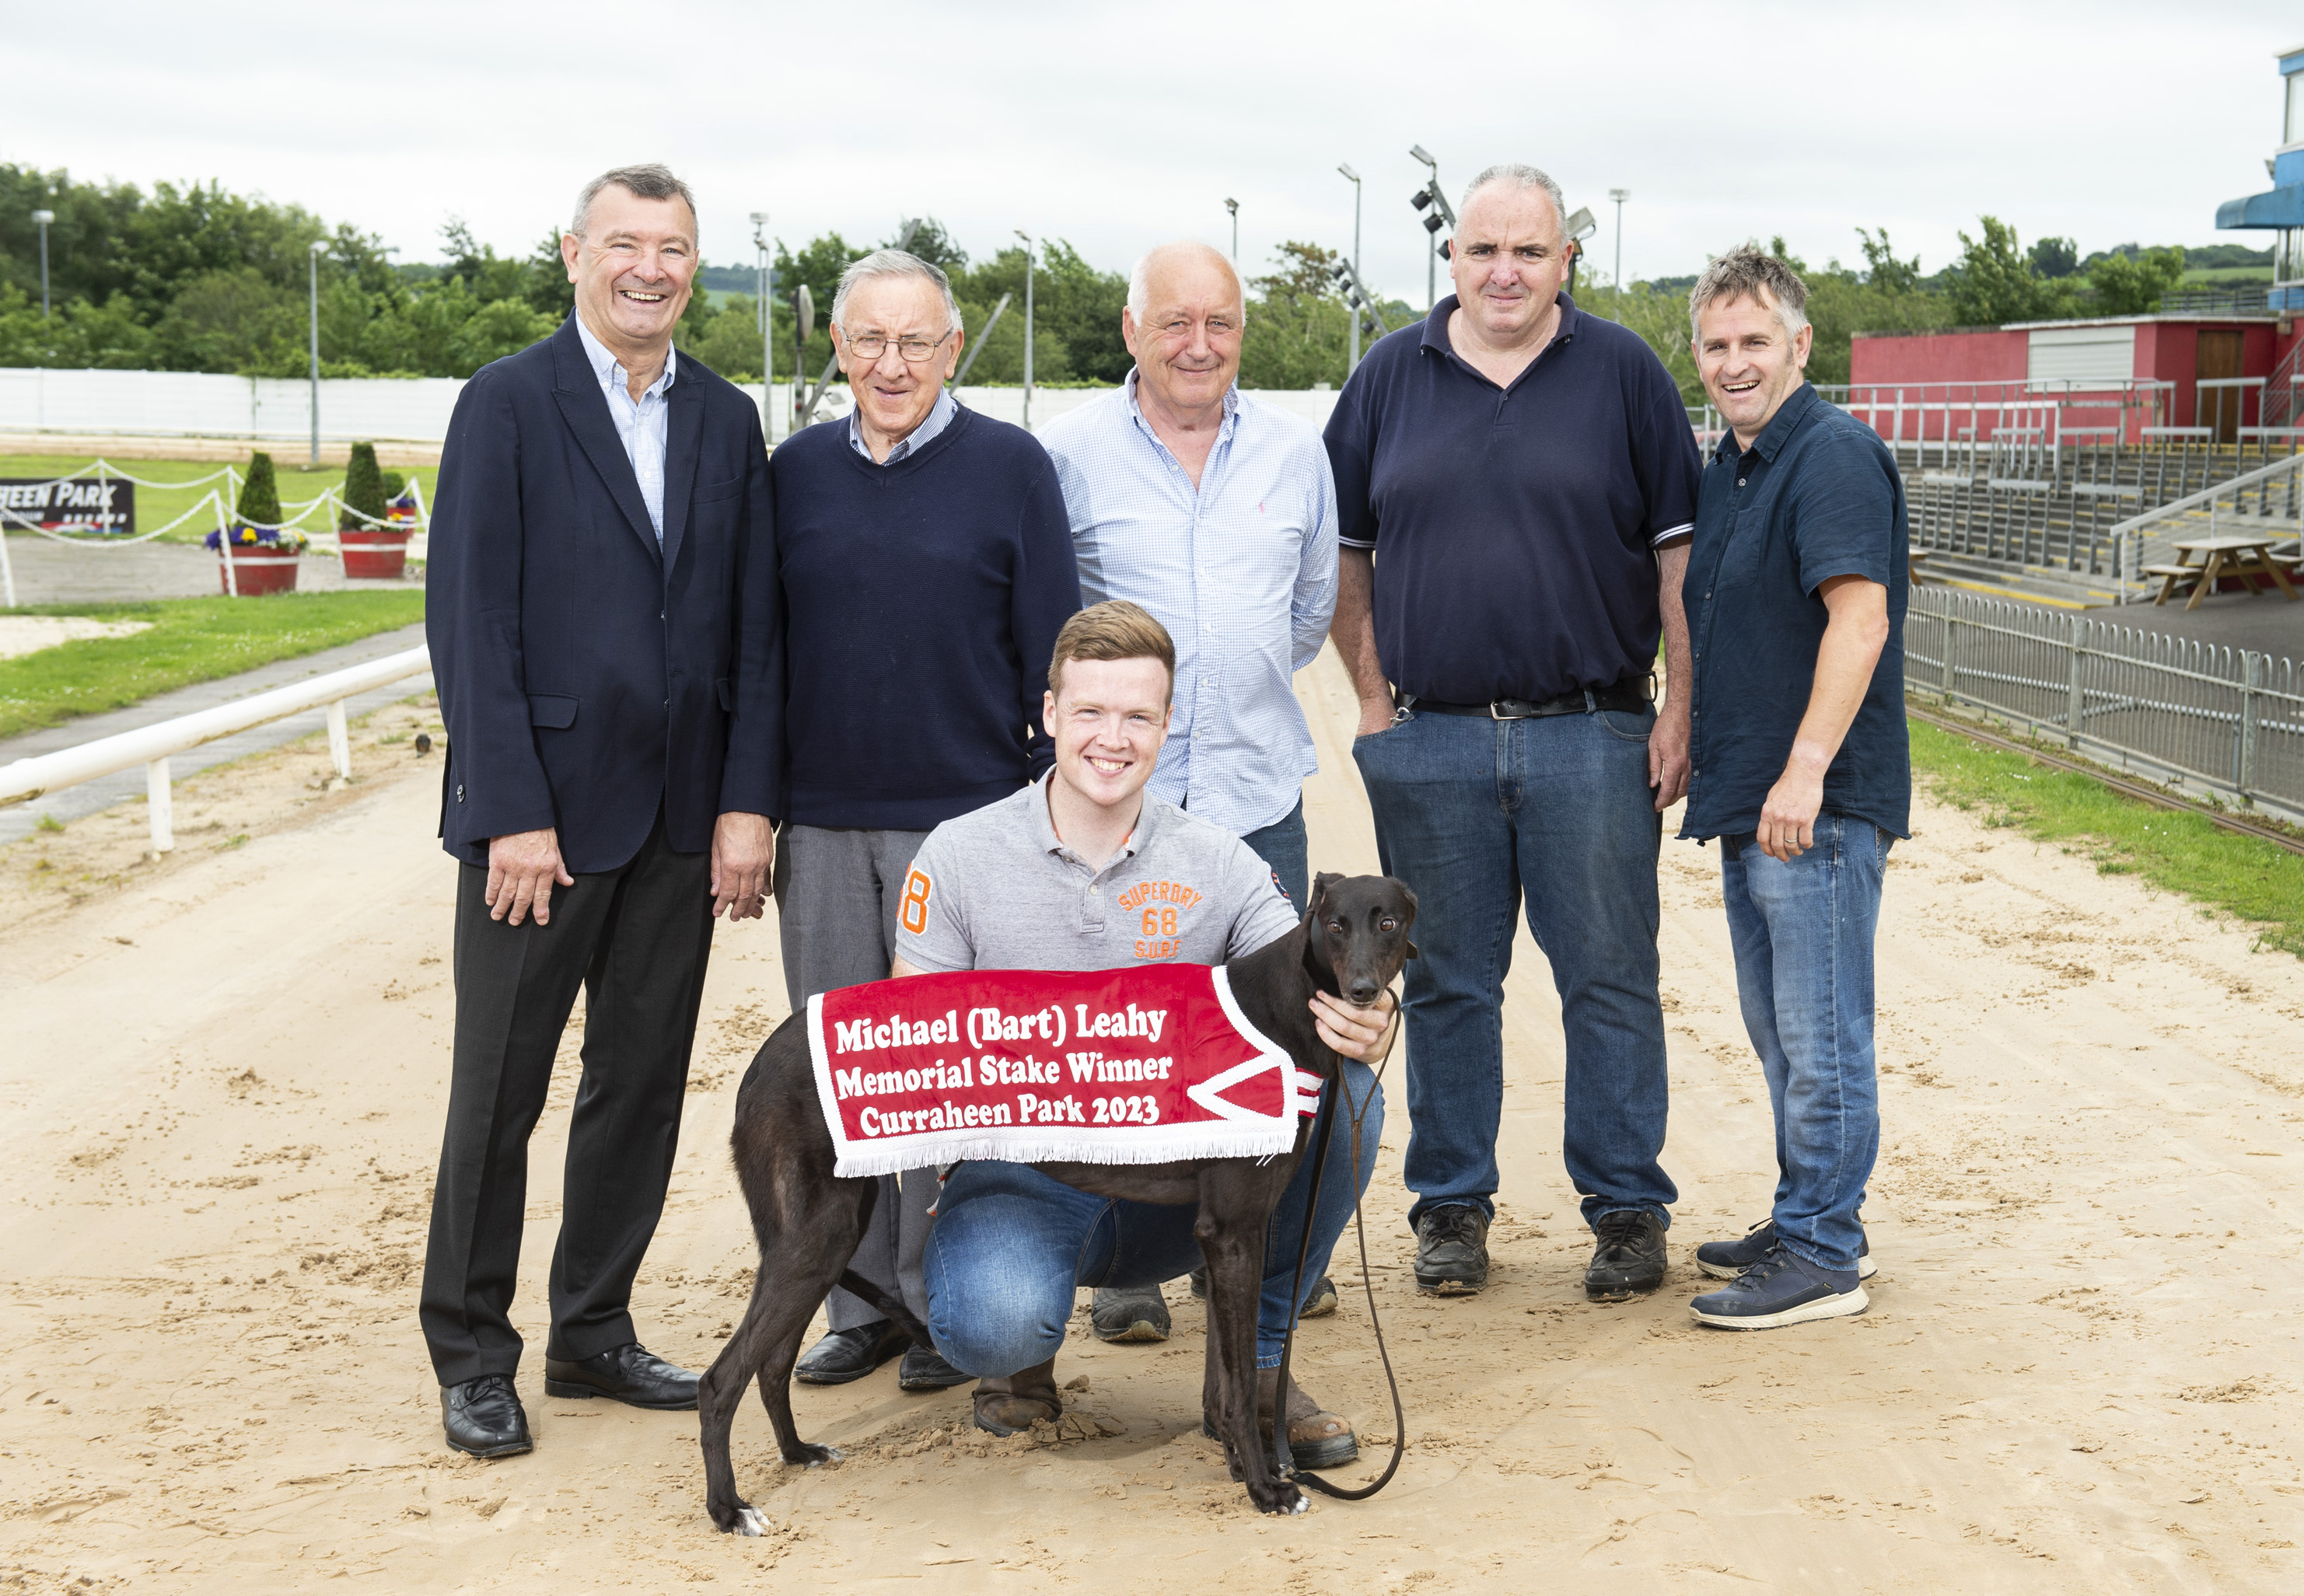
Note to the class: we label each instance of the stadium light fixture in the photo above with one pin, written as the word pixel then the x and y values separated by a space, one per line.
pixel 43 219
pixel 1031 243
pixel 1353 178
pixel 1620 195
pixel 318 246
pixel 767 321
pixel 1233 207
pixel 1437 214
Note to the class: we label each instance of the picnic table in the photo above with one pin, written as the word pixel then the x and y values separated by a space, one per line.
pixel 2203 562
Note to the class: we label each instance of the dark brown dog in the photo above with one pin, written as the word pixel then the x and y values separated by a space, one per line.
pixel 1351 943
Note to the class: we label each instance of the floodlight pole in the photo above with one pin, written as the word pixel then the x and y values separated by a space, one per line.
pixel 43 218
pixel 317 245
pixel 1030 243
pixel 1353 178
pixel 767 330
pixel 1620 195
pixel 1233 207
pixel 1441 208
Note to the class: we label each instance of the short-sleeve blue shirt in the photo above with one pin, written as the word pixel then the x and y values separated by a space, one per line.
pixel 1816 497
pixel 1515 527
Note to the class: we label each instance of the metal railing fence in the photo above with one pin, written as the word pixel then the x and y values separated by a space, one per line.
pixel 2230 721
pixel 24 779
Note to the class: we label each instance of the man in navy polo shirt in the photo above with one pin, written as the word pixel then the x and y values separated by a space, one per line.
pixel 1515 482
pixel 1797 585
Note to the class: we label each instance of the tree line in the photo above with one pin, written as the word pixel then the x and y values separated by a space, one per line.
pixel 198 278
pixel 194 277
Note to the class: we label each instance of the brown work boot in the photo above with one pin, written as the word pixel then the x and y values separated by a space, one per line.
pixel 1005 1407
pixel 1317 1438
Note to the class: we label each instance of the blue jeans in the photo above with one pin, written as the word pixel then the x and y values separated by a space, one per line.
pixel 1473 814
pixel 1803 934
pixel 1010 1244
pixel 1281 846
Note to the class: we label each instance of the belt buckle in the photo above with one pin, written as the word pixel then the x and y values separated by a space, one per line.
pixel 1494 713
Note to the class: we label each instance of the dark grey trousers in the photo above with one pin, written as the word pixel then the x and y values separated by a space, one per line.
pixel 635 939
pixel 836 893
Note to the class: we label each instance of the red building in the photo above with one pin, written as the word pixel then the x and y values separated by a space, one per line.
pixel 2083 381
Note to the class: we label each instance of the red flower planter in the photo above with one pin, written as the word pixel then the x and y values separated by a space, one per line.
pixel 259 573
pixel 374 552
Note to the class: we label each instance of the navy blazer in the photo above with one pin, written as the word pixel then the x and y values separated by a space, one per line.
pixel 586 676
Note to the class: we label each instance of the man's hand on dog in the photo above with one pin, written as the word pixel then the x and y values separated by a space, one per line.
pixel 523 867
pixel 1355 1032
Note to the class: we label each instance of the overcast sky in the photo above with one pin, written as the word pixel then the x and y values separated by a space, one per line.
pixel 1119 126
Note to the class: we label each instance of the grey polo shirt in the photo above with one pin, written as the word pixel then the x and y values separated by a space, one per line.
pixel 997 890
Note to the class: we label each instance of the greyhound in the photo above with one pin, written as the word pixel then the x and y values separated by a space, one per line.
pixel 1351 943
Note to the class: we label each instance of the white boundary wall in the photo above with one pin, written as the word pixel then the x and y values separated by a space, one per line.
pixel 386 410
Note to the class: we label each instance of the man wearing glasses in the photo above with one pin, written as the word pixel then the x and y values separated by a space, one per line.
pixel 926 564
pixel 1217 514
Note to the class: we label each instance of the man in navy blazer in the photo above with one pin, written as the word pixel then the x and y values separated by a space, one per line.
pixel 602 615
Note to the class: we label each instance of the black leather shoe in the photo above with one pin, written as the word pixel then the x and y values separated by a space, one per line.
pixel 1128 1314
pixel 924 1370
pixel 1451 1250
pixel 484 1417
pixel 851 1354
pixel 631 1374
pixel 1630 1257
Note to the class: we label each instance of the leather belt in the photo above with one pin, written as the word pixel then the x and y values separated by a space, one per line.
pixel 1626 696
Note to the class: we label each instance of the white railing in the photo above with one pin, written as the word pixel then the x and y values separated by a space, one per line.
pixel 151 746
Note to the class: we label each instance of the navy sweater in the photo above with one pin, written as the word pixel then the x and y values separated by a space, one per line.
pixel 921 605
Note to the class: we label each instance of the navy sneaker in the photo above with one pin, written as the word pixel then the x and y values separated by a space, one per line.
pixel 1726 1260
pixel 1780 1290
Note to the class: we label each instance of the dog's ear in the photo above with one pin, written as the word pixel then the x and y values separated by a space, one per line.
pixel 1320 895
pixel 1412 953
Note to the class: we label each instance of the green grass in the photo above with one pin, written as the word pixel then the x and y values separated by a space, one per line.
pixel 190 639
pixel 157 506
pixel 2242 876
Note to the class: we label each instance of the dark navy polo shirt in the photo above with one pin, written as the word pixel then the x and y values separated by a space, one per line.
pixel 1815 497
pixel 1514 526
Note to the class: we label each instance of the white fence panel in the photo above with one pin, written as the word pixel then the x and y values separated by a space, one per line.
pixel 396 410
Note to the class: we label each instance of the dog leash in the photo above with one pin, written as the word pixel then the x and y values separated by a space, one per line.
pixel 1322 1132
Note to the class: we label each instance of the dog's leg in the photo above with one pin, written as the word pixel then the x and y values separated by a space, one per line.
pixel 807 1223
pixel 1234 1213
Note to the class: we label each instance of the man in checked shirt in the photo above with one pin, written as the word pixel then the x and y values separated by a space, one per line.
pixel 1217 513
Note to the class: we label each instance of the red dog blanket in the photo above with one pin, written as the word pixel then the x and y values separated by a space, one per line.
pixel 1140 1066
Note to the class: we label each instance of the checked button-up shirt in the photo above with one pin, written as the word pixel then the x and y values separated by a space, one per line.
pixel 1242 570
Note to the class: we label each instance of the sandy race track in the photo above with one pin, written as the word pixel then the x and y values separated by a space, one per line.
pixel 221 1082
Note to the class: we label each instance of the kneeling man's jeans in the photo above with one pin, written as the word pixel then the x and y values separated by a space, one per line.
pixel 1803 934
pixel 1010 1244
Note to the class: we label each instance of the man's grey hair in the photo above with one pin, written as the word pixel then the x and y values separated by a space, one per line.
pixel 1140 277
pixel 892 263
pixel 1747 273
pixel 651 180
pixel 1520 175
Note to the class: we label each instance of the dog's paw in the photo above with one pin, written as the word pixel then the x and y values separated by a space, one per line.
pixel 749 1520
pixel 818 1456
pixel 1284 1499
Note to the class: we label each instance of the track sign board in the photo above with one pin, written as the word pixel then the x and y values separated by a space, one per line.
pixel 77 504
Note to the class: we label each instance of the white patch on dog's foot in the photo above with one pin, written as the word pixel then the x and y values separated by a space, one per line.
pixel 1304 1504
pixel 751 1521
pixel 831 1455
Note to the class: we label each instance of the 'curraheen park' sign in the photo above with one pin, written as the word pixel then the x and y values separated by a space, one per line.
pixel 72 506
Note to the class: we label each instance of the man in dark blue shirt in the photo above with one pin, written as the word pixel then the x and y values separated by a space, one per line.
pixel 1796 585
pixel 1515 482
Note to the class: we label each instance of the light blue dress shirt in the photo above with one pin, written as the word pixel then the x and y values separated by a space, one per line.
pixel 642 424
pixel 1242 571
pixel 940 417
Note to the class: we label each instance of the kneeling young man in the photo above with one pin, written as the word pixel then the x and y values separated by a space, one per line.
pixel 1087 871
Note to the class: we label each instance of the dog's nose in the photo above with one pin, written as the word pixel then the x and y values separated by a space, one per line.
pixel 1363 993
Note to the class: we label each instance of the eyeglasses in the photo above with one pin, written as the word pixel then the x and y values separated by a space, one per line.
pixel 871 346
